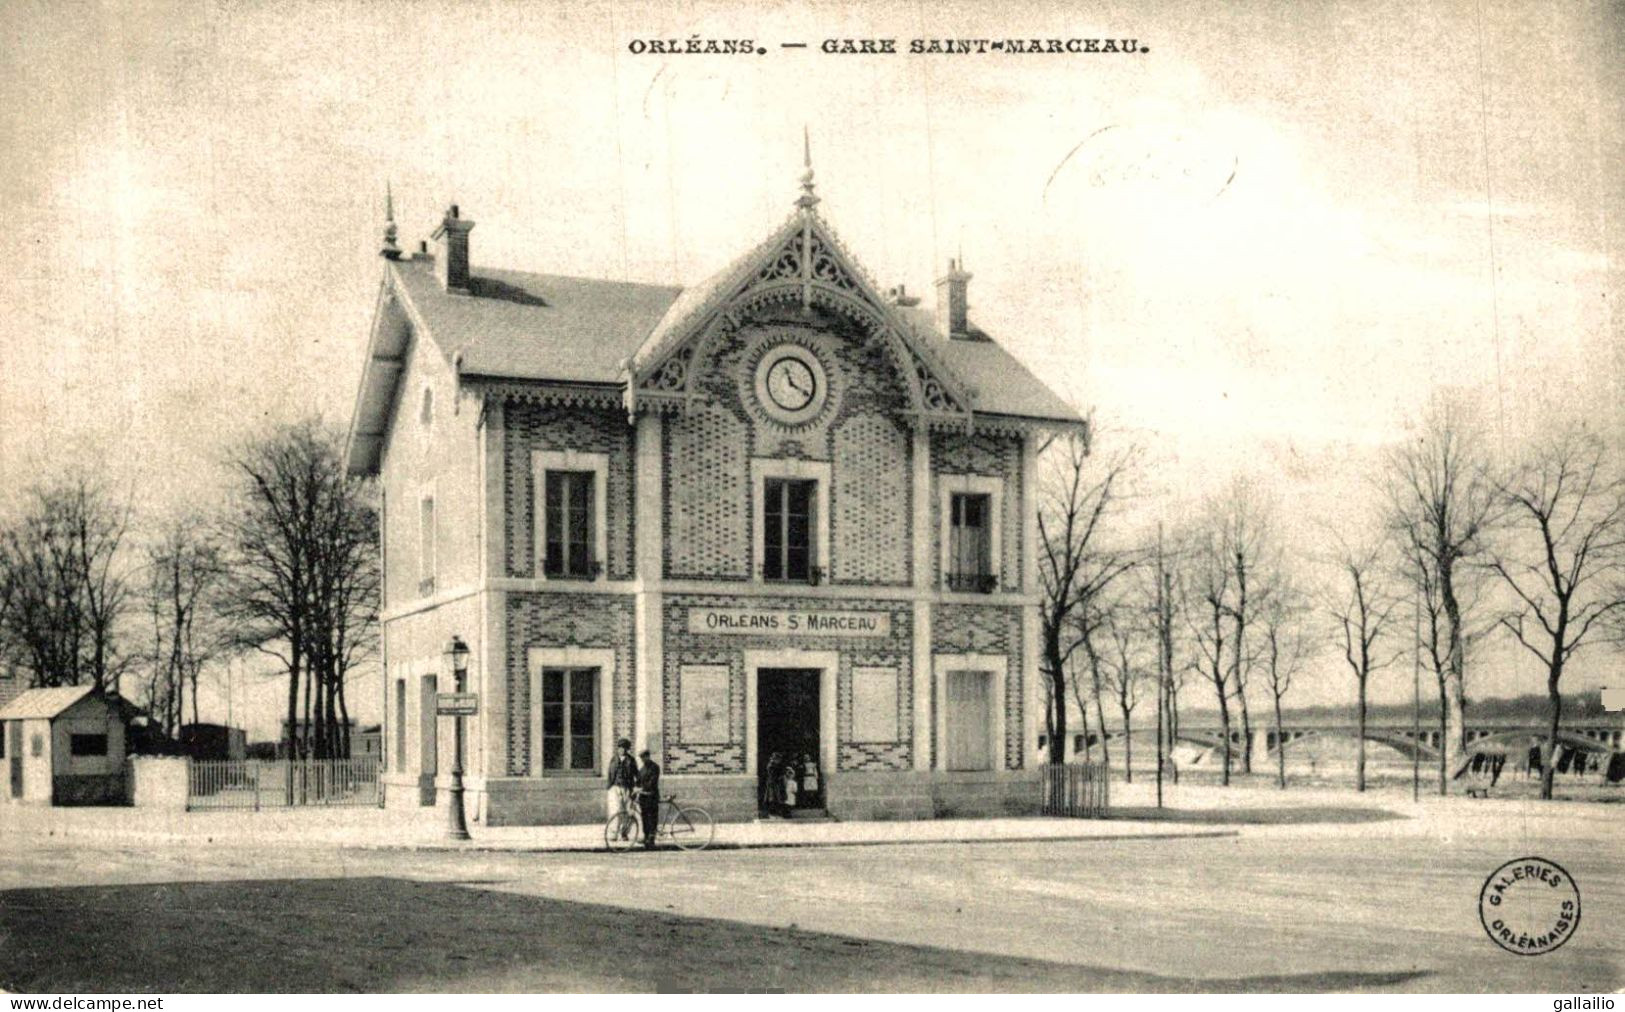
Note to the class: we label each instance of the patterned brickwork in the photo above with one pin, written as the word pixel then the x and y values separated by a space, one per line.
pixel 985 629
pixel 983 453
pixel 709 506
pixel 560 620
pixel 870 501
pixel 683 647
pixel 549 427
pixel 708 495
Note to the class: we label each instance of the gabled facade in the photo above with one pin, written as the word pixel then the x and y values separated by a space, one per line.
pixel 777 513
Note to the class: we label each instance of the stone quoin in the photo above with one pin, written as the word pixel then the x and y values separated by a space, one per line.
pixel 778 519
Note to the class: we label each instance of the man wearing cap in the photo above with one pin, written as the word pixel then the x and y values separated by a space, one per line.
pixel 623 777
pixel 648 796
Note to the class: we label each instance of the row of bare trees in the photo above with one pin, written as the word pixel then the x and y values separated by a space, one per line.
pixel 286 567
pixel 1460 547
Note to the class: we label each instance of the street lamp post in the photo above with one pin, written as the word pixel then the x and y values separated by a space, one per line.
pixel 457 828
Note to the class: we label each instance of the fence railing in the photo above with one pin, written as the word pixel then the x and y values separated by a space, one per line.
pixel 1077 790
pixel 254 784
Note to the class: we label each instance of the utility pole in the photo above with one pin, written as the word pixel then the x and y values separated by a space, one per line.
pixel 1162 661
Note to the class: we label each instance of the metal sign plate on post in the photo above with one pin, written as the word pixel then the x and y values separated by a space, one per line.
pixel 457 704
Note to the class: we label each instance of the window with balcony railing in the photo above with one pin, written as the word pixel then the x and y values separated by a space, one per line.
pixel 970 567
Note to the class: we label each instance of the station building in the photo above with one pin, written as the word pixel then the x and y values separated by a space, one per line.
pixel 778 512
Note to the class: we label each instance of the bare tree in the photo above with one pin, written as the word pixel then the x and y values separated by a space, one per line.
pixel 1442 504
pixel 1074 567
pixel 1567 512
pixel 1244 517
pixel 1286 647
pixel 1089 621
pixel 1362 604
pixel 1161 597
pixel 303 584
pixel 1434 636
pixel 1207 613
pixel 183 575
pixel 1125 672
pixel 67 594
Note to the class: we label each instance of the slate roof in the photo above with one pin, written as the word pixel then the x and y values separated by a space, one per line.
pixel 1003 385
pixel 514 325
pixel 44 704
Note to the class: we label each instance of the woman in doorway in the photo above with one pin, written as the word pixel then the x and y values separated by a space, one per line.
pixel 773 785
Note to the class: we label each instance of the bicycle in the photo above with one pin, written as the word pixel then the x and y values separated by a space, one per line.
pixel 687 826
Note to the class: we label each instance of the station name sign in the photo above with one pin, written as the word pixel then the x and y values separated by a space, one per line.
pixel 799 622
pixel 457 704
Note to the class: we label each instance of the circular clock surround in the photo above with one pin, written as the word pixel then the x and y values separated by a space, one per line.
pixel 791 385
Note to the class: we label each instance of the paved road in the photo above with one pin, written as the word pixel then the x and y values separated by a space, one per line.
pixel 1303 904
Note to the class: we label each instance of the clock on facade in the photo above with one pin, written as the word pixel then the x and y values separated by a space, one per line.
pixel 790 383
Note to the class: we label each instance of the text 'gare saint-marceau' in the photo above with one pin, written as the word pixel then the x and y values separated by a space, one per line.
pixel 694 45
pixel 777 516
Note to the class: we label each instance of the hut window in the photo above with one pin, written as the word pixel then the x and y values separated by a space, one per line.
pixel 88 744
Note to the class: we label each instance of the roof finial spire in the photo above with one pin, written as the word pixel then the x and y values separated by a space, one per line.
pixel 389 250
pixel 808 199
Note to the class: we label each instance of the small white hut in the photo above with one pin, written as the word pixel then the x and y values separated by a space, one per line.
pixel 63 746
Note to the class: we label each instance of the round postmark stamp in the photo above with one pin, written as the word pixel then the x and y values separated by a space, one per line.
pixel 1529 906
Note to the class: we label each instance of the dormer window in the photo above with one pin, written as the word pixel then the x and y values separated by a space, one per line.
pixel 426 408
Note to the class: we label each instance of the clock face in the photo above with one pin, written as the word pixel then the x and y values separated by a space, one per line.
pixel 791 387
pixel 791 384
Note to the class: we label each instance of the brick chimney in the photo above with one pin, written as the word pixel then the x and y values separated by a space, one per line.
pixel 451 250
pixel 951 302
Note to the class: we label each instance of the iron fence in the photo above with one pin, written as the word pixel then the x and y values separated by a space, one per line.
pixel 254 784
pixel 1077 790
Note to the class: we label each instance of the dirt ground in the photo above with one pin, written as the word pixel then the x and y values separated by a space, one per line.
pixel 1372 896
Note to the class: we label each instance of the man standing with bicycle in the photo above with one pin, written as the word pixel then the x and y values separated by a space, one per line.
pixel 648 793
pixel 623 779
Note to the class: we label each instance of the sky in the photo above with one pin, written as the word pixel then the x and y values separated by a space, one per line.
pixel 1259 246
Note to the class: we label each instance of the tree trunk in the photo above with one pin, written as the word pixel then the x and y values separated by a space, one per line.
pixel 1241 678
pixel 293 708
pixel 1444 736
pixel 1246 730
pixel 1454 745
pixel 1173 724
pixel 1057 718
pixel 1280 748
pixel 344 723
pixel 1128 749
pixel 1549 764
pixel 1100 709
pixel 1224 733
pixel 1359 756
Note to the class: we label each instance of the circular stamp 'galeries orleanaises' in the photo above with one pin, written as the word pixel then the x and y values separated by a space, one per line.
pixel 1529 906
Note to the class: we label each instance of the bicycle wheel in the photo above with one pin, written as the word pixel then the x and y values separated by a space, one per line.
pixel 620 832
pixel 692 828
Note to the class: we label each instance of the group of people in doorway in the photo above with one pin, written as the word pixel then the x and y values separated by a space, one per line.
pixel 786 781
pixel 635 781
